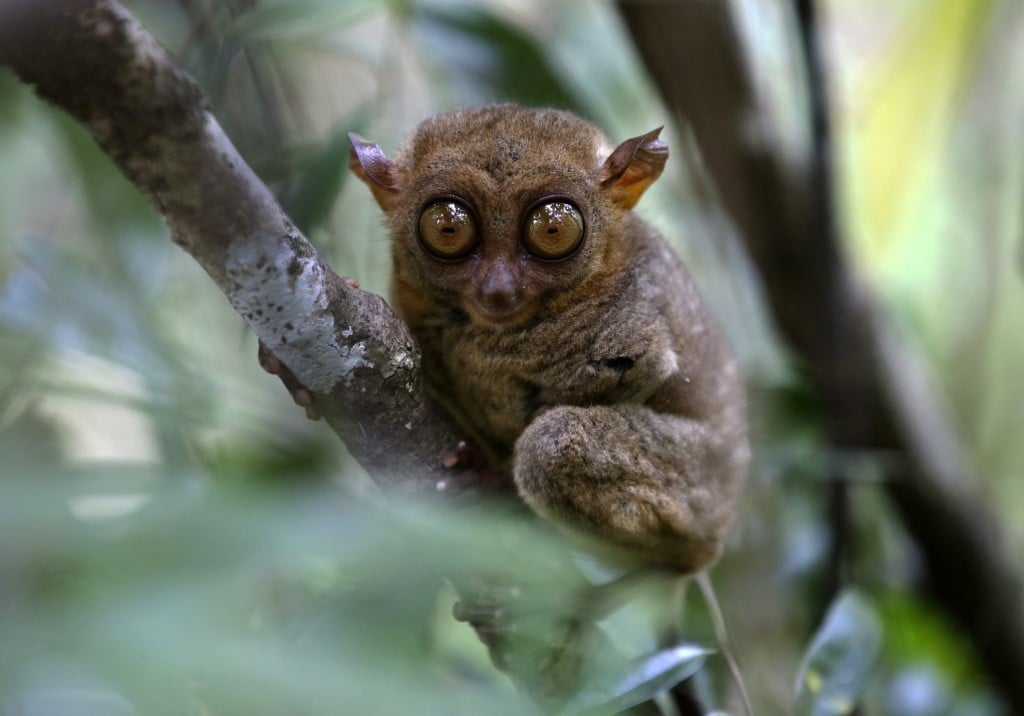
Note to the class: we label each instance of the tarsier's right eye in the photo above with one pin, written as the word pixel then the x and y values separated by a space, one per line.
pixel 447 229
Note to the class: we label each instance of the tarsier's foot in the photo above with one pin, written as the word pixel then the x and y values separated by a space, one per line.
pixel 490 617
pixel 484 618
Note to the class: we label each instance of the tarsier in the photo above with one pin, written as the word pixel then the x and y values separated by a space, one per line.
pixel 561 332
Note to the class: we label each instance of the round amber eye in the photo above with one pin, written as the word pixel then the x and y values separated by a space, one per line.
pixel 553 230
pixel 447 229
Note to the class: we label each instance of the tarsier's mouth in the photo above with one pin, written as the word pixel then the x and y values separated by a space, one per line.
pixel 486 316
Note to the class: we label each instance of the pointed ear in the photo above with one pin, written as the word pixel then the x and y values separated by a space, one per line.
pixel 633 167
pixel 383 176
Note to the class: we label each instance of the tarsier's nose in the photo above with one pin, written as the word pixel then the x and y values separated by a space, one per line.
pixel 498 289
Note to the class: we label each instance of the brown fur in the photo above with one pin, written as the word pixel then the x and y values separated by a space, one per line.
pixel 603 382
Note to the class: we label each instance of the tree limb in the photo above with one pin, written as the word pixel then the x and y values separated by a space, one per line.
pixel 346 346
pixel 874 395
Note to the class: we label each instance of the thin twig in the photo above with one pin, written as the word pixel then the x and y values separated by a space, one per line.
pixel 707 590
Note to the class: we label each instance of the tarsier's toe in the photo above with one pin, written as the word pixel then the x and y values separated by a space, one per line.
pixel 477 614
pixel 268 361
pixel 273 365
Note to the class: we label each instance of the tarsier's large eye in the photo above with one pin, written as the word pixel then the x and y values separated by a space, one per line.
pixel 553 230
pixel 448 229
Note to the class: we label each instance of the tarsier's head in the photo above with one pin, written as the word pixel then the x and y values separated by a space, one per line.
pixel 505 213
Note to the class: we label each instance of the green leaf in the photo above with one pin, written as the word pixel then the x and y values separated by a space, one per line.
pixel 310 201
pixel 905 118
pixel 493 59
pixel 644 679
pixel 298 18
pixel 840 658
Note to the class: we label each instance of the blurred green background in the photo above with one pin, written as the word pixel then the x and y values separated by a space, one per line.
pixel 176 538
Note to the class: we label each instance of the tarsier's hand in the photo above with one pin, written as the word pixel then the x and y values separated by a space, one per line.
pixel 302 397
pixel 469 471
pixel 273 365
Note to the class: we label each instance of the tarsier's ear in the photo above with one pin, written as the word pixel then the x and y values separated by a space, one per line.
pixel 383 176
pixel 633 167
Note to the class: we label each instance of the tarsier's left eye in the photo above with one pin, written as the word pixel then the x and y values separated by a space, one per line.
pixel 553 230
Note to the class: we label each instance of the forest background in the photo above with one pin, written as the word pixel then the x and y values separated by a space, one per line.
pixel 177 538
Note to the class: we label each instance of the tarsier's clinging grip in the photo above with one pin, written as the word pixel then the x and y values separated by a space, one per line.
pixel 560 331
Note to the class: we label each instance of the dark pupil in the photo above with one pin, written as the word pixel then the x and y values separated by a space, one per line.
pixel 552 230
pixel 448 230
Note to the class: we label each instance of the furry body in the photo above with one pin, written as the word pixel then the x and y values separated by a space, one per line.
pixel 600 378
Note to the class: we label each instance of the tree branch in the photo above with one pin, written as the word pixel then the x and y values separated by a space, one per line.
pixel 874 395
pixel 347 347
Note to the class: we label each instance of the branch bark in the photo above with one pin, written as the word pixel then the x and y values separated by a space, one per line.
pixel 347 347
pixel 873 393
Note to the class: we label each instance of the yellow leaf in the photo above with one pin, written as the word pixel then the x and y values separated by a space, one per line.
pixel 905 116
pixel 813 681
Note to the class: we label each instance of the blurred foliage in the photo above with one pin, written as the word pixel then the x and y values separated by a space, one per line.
pixel 839 658
pixel 176 538
pixel 647 677
pixel 933 101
